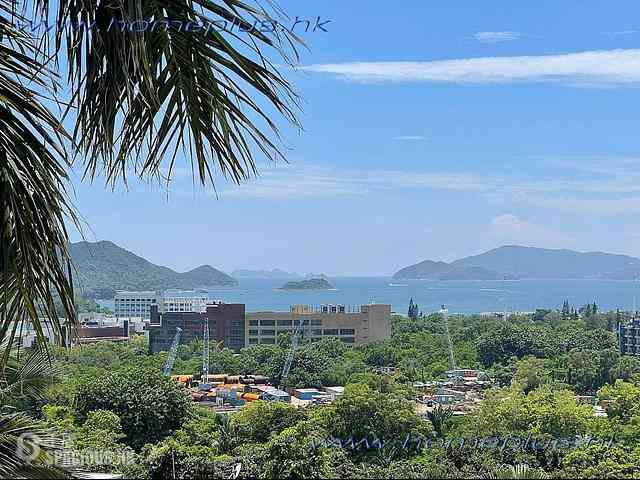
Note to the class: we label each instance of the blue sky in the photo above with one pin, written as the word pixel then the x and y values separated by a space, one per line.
pixel 430 131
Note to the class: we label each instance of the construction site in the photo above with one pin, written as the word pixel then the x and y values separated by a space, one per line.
pixel 462 390
pixel 226 393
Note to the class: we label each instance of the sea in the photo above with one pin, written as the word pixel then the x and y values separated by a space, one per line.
pixel 464 296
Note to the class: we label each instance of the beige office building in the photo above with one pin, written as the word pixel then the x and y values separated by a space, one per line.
pixel 367 324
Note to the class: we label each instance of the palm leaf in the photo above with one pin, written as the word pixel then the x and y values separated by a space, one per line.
pixel 517 472
pixel 26 448
pixel 34 266
pixel 142 97
pixel 26 378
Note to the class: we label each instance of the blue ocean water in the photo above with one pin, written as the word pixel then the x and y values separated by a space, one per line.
pixel 459 296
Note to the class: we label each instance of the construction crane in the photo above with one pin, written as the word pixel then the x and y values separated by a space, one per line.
pixel 444 311
pixel 295 340
pixel 205 357
pixel 173 352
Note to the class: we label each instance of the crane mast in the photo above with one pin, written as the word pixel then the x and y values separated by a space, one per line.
pixel 444 311
pixel 173 352
pixel 295 340
pixel 205 353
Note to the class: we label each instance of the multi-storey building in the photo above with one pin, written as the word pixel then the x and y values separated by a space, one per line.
pixel 366 324
pixel 134 304
pixel 138 304
pixel 183 301
pixel 226 325
pixel 629 337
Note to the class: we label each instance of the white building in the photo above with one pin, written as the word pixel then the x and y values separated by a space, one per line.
pixel 26 335
pixel 138 304
pixel 183 301
pixel 134 304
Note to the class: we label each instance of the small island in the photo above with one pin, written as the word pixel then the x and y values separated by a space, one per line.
pixel 310 284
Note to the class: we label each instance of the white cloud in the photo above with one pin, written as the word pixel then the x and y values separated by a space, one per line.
pixel 509 228
pixel 621 32
pixel 602 67
pixel 602 186
pixel 409 138
pixel 305 180
pixel 495 37
pixel 595 206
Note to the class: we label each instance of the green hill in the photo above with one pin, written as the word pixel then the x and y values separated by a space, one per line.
pixel 104 267
pixel 527 262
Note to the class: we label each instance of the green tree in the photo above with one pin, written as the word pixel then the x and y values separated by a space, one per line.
pixel 624 397
pixel 601 461
pixel 259 420
pixel 584 371
pixel 289 454
pixel 530 374
pixel 149 404
pixel 364 412
pixel 625 367
pixel 543 411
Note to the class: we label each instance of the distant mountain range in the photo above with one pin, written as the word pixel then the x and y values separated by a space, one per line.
pixel 516 262
pixel 104 267
pixel 275 274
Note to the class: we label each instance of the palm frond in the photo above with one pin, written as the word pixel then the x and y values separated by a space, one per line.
pixel 144 96
pixel 26 378
pixel 34 266
pixel 27 448
pixel 517 472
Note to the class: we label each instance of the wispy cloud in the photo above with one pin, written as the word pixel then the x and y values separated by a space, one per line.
pixel 510 228
pixel 602 67
pixel 602 186
pixel 495 37
pixel 594 206
pixel 621 32
pixel 409 138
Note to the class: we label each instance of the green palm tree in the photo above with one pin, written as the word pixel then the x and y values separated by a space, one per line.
pixel 26 448
pixel 227 434
pixel 26 445
pixel 518 472
pixel 26 377
pixel 199 78
pixel 134 98
pixel 440 418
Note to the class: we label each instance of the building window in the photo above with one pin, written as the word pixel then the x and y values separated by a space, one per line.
pixel 253 332
pixel 269 341
pixel 316 332
pixel 285 323
pixel 331 331
pixel 347 331
pixel 269 333
pixel 253 341
pixel 253 323
pixel 268 323
pixel 316 323
pixel 348 339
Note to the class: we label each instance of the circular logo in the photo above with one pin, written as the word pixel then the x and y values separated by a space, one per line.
pixel 28 447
